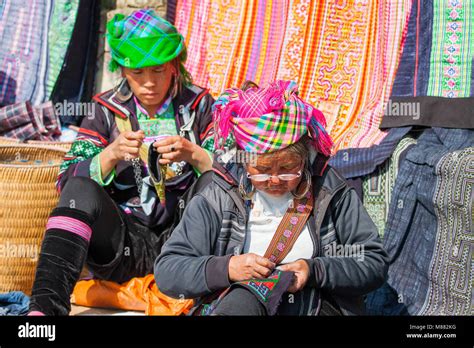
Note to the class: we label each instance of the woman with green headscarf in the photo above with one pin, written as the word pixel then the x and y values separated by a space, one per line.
pixel 144 144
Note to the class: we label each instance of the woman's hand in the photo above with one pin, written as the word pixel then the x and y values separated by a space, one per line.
pixel 125 147
pixel 248 266
pixel 301 270
pixel 177 149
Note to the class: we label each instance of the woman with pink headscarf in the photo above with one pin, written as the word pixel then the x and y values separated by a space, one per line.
pixel 277 231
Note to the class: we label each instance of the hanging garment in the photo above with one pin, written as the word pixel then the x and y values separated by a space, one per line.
pixel 25 122
pixel 75 82
pixel 428 232
pixel 357 162
pixel 413 71
pixel 435 76
pixel 378 186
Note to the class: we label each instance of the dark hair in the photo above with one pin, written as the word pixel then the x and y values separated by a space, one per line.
pixel 184 77
pixel 300 148
pixel 248 84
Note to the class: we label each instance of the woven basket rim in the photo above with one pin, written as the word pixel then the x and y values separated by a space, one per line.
pixel 22 146
pixel 39 142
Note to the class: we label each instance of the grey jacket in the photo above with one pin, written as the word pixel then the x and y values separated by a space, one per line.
pixel 194 261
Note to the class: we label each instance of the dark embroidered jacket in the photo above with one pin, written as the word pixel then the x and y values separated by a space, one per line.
pixel 99 129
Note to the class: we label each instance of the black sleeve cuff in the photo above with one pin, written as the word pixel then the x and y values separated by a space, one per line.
pixel 316 272
pixel 217 272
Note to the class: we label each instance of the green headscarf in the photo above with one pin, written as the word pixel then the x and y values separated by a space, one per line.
pixel 143 39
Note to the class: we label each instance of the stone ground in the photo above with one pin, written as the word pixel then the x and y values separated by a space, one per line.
pixel 81 310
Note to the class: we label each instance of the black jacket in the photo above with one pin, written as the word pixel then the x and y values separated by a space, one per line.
pixel 194 261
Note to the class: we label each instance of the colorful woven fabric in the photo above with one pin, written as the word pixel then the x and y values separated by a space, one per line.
pixel 414 69
pixel 160 125
pixel 142 39
pixel 269 291
pixel 14 116
pixel 437 54
pixel 344 56
pixel 24 54
pixel 452 49
pixel 87 145
pixel 192 19
pixel 377 187
pixel 268 119
pixel 62 23
pixel 25 122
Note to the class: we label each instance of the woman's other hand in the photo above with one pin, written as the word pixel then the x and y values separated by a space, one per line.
pixel 125 147
pixel 301 270
pixel 177 149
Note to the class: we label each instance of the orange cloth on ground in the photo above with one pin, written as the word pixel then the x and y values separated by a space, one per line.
pixel 138 294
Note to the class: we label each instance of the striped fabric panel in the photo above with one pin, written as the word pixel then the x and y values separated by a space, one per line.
pixel 71 225
pixel 191 21
pixel 60 31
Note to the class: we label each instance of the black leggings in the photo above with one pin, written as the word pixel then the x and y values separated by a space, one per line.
pixel 88 227
pixel 120 247
pixel 240 301
pixel 85 195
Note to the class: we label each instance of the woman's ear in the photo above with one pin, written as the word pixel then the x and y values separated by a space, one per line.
pixel 122 72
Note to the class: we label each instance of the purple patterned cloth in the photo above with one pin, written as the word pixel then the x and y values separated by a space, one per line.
pixel 25 122
pixel 24 53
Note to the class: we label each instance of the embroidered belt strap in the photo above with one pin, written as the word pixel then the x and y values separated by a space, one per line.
pixel 290 228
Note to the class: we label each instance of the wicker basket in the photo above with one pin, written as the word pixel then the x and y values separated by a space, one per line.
pixel 60 144
pixel 27 196
pixel 6 140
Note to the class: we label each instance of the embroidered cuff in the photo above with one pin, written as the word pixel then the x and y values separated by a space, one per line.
pixel 96 172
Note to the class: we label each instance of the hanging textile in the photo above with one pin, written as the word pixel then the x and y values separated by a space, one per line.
pixel 357 162
pixel 24 54
pixel 59 36
pixel 192 17
pixel 344 55
pixel 435 74
pixel 26 122
pixel 452 49
pixel 428 230
pixel 75 82
pixel 377 187
pixel 451 272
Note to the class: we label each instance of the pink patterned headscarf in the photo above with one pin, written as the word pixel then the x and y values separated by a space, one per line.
pixel 269 119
